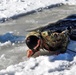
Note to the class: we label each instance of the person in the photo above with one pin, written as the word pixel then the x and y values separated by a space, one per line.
pixel 54 42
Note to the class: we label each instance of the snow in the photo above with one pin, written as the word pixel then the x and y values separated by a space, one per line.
pixel 13 8
pixel 62 64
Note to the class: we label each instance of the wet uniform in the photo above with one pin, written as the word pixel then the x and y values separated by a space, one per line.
pixel 56 41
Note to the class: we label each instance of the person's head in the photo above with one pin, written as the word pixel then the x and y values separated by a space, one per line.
pixel 33 43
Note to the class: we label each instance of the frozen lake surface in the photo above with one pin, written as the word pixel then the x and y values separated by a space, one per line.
pixel 13 53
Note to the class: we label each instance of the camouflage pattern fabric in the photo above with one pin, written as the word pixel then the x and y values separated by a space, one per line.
pixel 55 41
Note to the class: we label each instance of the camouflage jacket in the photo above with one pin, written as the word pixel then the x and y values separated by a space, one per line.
pixel 55 40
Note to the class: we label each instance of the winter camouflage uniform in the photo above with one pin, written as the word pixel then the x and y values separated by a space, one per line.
pixel 55 41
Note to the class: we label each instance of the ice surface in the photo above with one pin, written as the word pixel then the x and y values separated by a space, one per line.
pixel 63 64
pixel 12 8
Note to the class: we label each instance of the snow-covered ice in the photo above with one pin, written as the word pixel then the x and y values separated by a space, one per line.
pixel 43 65
pixel 13 8
pixel 63 64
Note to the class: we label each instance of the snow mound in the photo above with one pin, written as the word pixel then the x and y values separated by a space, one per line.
pixel 62 64
pixel 43 65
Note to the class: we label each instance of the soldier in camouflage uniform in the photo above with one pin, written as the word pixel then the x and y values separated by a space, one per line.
pixel 55 42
